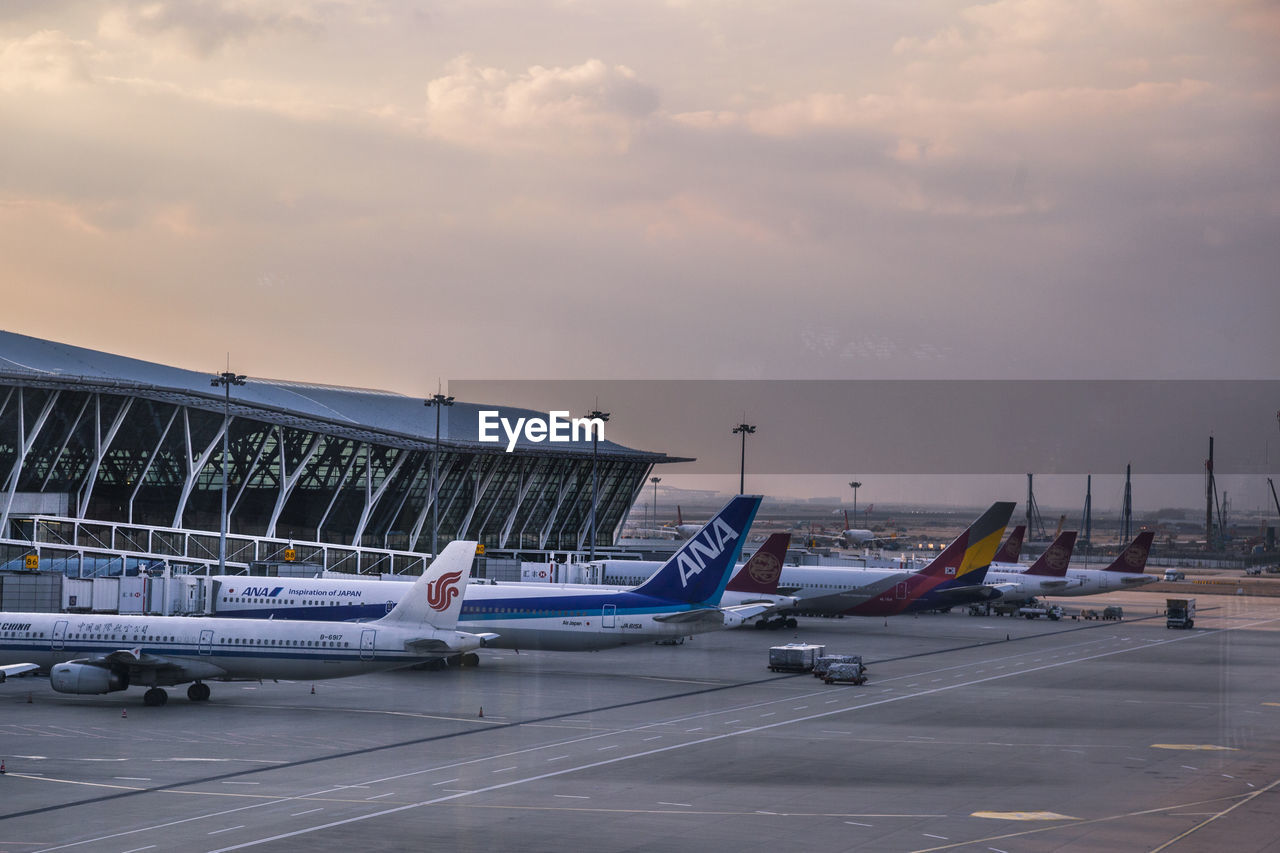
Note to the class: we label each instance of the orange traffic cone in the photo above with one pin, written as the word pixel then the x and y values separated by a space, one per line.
pixel 124 713
pixel 313 690
pixel 2 770
pixel 481 710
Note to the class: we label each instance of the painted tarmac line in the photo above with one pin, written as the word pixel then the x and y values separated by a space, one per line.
pixel 723 736
pixel 180 821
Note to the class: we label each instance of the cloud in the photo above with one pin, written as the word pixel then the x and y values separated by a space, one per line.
pixel 202 26
pixel 587 106
pixel 47 60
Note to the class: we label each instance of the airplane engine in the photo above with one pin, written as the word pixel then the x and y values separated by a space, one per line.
pixel 83 678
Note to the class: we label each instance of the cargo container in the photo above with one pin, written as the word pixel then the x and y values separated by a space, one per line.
pixel 795 657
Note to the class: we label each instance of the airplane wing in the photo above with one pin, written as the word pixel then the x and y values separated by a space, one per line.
pixel 12 669
pixel 760 606
pixel 967 594
pixel 702 616
pixel 448 642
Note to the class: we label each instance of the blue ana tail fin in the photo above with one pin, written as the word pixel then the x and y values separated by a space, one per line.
pixel 698 571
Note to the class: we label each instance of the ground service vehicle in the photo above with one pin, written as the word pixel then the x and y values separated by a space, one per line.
pixel 1180 613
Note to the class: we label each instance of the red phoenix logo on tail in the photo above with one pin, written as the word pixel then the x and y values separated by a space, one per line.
pixel 443 590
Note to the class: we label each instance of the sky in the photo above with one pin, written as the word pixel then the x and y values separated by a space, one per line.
pixel 390 194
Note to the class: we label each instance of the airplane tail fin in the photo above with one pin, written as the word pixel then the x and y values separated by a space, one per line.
pixel 846 520
pixel 1133 560
pixel 698 571
pixel 435 599
pixel 679 517
pixel 1053 562
pixel 760 573
pixel 974 548
pixel 1011 550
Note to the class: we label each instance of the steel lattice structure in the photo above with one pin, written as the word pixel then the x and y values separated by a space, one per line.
pixel 120 440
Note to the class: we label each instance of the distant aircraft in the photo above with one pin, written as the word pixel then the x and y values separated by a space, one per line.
pixel 1046 576
pixel 92 653
pixel 681 598
pixel 855 536
pixel 684 531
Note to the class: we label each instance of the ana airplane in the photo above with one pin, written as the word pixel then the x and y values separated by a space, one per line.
pixel 1046 576
pixel 91 654
pixel 681 598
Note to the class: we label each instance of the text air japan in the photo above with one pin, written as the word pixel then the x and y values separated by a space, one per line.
pixel 557 427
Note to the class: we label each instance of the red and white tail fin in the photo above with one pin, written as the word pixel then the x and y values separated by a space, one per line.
pixel 846 519
pixel 1053 562
pixel 760 574
pixel 435 599
pixel 1133 560
pixel 1011 550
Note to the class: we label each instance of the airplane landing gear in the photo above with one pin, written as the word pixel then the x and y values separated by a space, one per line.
pixel 775 624
pixel 155 697
pixel 198 692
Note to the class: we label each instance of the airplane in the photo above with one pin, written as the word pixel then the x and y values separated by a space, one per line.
pixel 954 577
pixel 855 536
pixel 94 654
pixel 817 590
pixel 681 529
pixel 839 591
pixel 1046 576
pixel 681 598
pixel 1125 572
pixel 1011 550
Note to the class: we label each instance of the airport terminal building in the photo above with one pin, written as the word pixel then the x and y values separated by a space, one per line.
pixel 102 453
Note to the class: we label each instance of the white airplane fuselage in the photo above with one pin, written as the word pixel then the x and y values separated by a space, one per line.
pixel 1016 585
pixel 215 649
pixel 528 616
pixel 826 590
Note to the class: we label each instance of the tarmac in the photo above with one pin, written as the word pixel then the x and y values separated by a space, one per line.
pixel 973 733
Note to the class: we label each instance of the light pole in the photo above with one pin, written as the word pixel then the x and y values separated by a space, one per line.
pixel 855 485
pixel 226 379
pixel 655 481
pixel 436 401
pixel 745 429
pixel 603 417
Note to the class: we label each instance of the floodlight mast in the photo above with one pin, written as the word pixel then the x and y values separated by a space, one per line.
pixel 226 379
pixel 436 401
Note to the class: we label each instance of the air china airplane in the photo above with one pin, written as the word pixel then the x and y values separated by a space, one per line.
pixel 91 654
pixel 682 597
